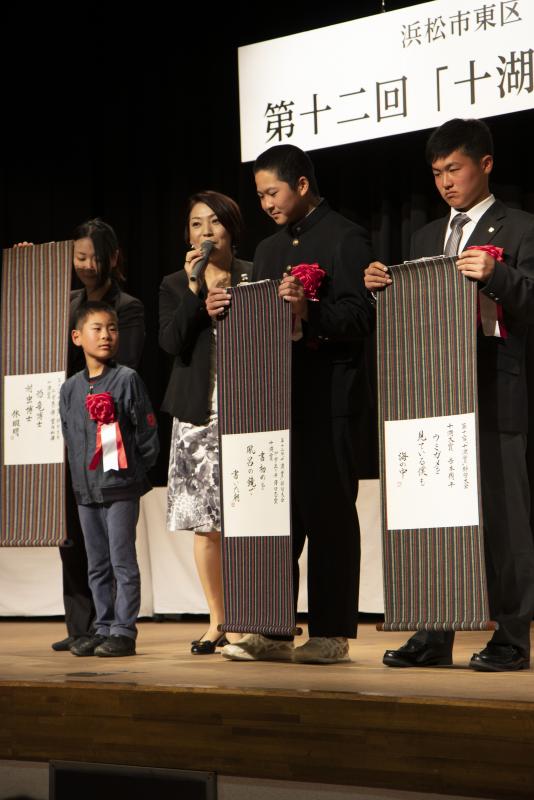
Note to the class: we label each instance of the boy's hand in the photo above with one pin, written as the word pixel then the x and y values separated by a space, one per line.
pixel 292 291
pixel 376 276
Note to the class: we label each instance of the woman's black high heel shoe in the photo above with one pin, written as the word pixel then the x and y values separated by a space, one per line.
pixel 206 647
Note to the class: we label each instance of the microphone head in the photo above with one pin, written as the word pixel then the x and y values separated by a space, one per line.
pixel 207 246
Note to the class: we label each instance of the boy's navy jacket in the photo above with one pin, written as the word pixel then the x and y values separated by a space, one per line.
pixel 137 423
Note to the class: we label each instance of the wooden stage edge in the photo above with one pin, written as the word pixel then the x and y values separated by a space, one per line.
pixel 447 731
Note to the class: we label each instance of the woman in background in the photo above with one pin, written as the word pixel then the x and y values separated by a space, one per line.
pixel 98 265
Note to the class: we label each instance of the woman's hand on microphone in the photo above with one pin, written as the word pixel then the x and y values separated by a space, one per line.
pixel 217 302
pixel 191 258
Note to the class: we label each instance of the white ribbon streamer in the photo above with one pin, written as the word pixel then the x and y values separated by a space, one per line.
pixel 110 455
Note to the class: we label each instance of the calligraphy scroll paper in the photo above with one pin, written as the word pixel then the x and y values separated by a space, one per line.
pixel 35 317
pixel 433 548
pixel 254 403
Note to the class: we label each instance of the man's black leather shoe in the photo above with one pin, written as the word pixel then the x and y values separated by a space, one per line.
pixel 86 645
pixel 417 654
pixel 65 644
pixel 499 658
pixel 116 645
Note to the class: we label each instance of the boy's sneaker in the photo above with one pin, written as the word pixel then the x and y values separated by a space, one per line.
pixel 322 650
pixel 255 647
pixel 86 645
pixel 116 645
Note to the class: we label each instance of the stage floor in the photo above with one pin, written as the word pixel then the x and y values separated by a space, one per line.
pixel 163 659
pixel 446 730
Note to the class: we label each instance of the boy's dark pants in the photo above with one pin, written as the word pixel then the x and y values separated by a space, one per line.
pixel 77 597
pixel 109 533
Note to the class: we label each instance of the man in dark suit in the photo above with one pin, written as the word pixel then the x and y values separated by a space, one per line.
pixel 329 394
pixel 461 155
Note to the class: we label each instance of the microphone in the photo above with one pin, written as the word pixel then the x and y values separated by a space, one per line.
pixel 198 270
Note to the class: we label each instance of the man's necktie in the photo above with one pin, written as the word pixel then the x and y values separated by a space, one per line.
pixel 457 223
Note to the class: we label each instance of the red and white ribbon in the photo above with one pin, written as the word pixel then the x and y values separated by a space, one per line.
pixel 109 448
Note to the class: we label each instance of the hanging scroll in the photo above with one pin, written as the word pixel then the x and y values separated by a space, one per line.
pixel 35 317
pixel 254 402
pixel 434 569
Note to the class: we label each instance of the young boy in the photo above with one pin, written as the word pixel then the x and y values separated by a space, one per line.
pixel 111 436
pixel 329 398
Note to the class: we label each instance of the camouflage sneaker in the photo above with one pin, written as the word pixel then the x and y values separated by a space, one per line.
pixel 322 650
pixel 255 647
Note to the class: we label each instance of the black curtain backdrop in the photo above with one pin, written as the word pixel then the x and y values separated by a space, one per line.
pixel 124 115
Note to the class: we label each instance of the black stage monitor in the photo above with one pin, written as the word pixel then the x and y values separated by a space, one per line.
pixel 74 779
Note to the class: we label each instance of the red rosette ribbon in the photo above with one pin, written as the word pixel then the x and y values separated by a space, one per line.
pixel 109 444
pixel 495 252
pixel 498 254
pixel 101 407
pixel 311 277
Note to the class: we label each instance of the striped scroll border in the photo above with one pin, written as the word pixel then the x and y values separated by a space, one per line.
pixel 34 317
pixel 434 578
pixel 254 395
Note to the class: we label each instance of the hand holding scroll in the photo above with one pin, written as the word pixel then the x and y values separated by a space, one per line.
pixel 217 301
pixel 476 264
pixel 376 276
pixel 292 291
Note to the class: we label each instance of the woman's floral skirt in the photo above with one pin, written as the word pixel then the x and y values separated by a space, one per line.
pixel 193 496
